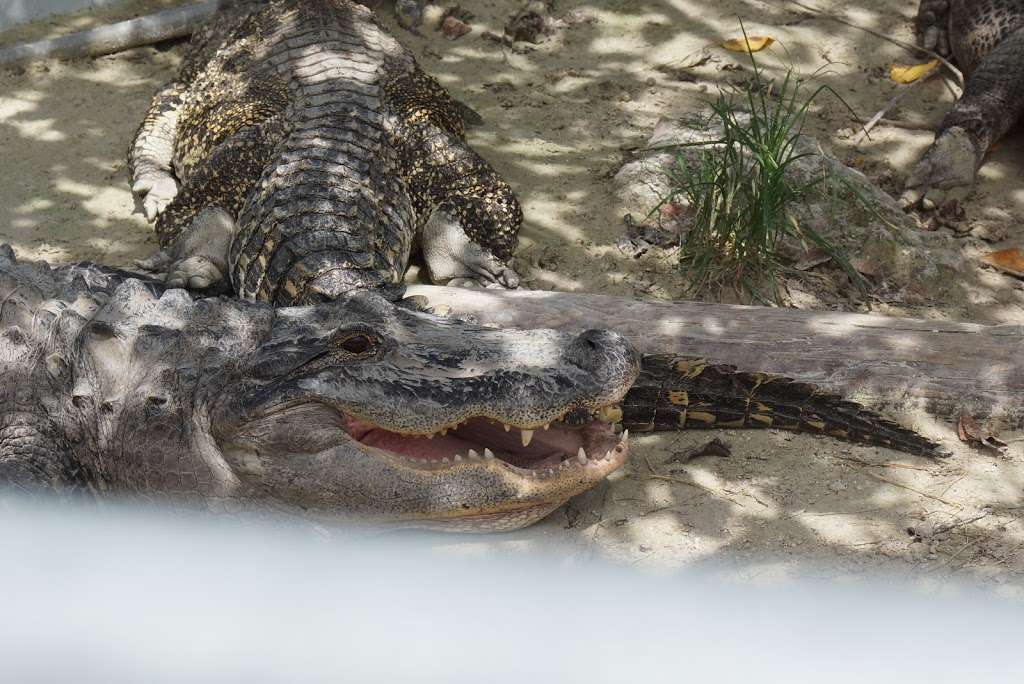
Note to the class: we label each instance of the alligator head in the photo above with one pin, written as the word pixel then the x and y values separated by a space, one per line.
pixel 355 408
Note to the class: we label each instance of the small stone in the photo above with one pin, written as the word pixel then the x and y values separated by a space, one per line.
pixel 454 29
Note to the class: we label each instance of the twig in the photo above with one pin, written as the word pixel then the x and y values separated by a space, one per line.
pixel 908 125
pixel 956 73
pixel 916 491
pixel 952 558
pixel 880 465
pixel 865 131
pixel 942 529
pixel 688 483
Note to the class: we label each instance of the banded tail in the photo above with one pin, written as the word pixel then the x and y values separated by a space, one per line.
pixel 679 393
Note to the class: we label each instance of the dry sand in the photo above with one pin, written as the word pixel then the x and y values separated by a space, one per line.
pixel 560 119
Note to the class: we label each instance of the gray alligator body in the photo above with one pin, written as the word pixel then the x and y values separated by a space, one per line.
pixel 986 40
pixel 353 408
pixel 302 153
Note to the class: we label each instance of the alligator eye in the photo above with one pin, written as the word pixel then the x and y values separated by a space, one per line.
pixel 359 343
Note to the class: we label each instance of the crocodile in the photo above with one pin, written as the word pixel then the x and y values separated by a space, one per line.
pixel 986 40
pixel 301 153
pixel 357 408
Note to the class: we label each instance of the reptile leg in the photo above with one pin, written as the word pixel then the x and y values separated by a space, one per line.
pixel 197 258
pixel 453 258
pixel 992 102
pixel 932 26
pixel 152 151
pixel 197 227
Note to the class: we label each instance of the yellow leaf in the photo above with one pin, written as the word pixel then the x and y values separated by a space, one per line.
pixel 752 44
pixel 914 72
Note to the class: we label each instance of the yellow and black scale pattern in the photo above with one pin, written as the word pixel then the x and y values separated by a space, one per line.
pixel 317 131
pixel 678 393
pixel 442 170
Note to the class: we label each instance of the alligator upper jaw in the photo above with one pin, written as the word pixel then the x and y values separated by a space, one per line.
pixel 556 448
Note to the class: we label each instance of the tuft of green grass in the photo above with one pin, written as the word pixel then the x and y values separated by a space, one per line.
pixel 739 194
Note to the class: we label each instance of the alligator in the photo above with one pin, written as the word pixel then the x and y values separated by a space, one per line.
pixel 986 40
pixel 301 153
pixel 357 408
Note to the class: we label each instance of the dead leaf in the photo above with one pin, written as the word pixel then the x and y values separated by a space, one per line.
pixel 973 432
pixel 1007 260
pixel 908 73
pixel 748 44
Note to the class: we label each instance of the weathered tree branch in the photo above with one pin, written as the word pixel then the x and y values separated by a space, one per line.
pixel 104 40
pixel 902 365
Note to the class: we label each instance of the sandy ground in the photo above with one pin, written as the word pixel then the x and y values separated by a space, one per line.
pixel 561 117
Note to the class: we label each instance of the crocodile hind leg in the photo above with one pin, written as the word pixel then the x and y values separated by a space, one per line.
pixel 992 102
pixel 680 393
pixel 470 216
pixel 197 227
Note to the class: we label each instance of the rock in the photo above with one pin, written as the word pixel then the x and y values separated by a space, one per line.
pixel 532 23
pixel 846 208
pixel 453 28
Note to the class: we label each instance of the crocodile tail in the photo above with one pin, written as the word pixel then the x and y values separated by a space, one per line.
pixel 678 393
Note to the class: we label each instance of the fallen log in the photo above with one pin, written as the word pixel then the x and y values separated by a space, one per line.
pixel 904 366
pixel 104 40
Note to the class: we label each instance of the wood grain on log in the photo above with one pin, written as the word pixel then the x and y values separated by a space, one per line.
pixel 902 365
pixel 104 40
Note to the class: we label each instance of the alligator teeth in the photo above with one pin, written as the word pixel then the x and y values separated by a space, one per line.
pixel 507 427
pixel 444 459
pixel 473 454
pixel 488 453
pixel 581 456
pixel 548 426
pixel 527 436
pixel 621 446
pixel 444 432
pixel 457 457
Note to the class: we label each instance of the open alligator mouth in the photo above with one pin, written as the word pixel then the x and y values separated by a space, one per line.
pixel 579 440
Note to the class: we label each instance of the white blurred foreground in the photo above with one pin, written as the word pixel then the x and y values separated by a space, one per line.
pixel 132 595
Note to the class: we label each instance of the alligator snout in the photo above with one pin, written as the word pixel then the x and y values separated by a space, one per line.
pixel 605 354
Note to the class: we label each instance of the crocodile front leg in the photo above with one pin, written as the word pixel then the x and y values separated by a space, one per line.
pixel 152 152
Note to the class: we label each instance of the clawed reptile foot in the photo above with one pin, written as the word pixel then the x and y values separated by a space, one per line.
pixel 945 172
pixel 492 275
pixel 156 189
pixel 932 26
pixel 194 273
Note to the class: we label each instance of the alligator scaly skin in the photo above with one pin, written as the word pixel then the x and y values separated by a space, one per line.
pixel 680 393
pixel 318 134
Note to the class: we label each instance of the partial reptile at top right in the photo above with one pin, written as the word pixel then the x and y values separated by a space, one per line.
pixel 986 40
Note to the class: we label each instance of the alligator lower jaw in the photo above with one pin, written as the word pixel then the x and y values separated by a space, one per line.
pixel 557 450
